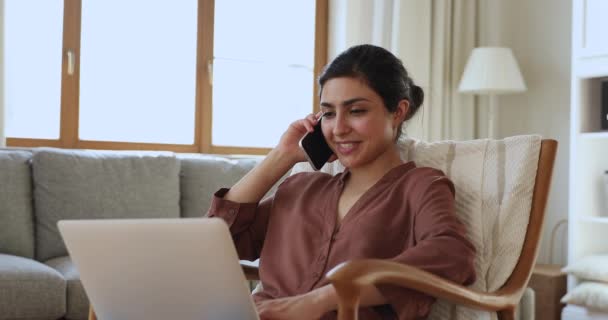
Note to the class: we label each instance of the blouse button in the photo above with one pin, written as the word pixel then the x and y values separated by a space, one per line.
pixel 316 274
pixel 232 212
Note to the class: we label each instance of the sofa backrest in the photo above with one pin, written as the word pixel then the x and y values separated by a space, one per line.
pixel 16 212
pixel 202 174
pixel 41 186
pixel 77 184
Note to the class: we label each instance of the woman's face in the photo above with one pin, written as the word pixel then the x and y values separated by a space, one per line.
pixel 356 125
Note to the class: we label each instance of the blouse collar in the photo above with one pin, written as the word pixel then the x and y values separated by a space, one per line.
pixel 390 175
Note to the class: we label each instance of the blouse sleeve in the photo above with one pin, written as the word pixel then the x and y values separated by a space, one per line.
pixel 442 247
pixel 247 222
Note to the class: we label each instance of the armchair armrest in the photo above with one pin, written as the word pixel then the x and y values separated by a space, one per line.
pixel 348 278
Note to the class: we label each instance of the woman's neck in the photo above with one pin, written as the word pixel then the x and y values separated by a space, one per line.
pixel 369 174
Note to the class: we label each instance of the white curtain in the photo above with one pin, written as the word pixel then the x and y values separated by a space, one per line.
pixel 2 133
pixel 433 38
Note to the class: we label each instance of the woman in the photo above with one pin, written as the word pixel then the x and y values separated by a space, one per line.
pixel 379 207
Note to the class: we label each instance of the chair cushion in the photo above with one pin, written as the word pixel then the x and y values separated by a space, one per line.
pixel 16 216
pixel 77 302
pixel 30 289
pixel 202 175
pixel 76 184
pixel 494 181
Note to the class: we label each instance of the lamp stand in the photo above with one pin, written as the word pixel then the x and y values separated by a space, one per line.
pixel 492 130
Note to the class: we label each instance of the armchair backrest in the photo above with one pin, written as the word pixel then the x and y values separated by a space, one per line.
pixel 494 181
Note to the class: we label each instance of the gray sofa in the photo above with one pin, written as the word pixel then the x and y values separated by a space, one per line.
pixel 39 187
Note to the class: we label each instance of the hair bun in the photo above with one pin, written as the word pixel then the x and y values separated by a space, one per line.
pixel 417 96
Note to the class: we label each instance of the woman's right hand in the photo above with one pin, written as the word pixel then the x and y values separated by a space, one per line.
pixel 289 143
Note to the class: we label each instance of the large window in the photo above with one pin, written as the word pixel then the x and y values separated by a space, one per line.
pixel 138 73
pixel 189 76
pixel 32 68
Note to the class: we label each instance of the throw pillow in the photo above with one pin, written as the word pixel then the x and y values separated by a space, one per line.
pixel 592 295
pixel 593 268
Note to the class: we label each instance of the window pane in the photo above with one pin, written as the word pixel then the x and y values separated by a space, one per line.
pixel 138 71
pixel 263 69
pixel 254 103
pixel 32 68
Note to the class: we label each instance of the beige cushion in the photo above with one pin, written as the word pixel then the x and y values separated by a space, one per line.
pixel 592 295
pixel 593 267
pixel 494 181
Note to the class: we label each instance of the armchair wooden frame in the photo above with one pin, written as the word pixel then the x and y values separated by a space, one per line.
pixel 350 277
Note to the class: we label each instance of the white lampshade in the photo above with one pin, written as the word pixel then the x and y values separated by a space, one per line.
pixel 491 70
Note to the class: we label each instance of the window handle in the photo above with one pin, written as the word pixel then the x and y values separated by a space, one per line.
pixel 210 71
pixel 71 62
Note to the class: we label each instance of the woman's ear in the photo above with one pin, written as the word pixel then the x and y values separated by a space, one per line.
pixel 400 113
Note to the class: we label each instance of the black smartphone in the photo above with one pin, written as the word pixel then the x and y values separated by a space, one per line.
pixel 316 148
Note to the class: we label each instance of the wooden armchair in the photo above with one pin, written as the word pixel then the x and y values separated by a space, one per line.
pixel 348 278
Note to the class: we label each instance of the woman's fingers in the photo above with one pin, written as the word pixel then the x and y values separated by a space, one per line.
pixel 302 124
pixel 310 121
pixel 265 310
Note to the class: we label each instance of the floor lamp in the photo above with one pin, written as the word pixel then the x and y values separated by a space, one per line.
pixel 491 71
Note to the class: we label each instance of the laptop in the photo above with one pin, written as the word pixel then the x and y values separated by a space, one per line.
pixel 159 269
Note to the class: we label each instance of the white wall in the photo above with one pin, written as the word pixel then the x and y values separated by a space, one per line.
pixel 539 33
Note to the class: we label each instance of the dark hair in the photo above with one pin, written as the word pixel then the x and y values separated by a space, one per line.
pixel 382 71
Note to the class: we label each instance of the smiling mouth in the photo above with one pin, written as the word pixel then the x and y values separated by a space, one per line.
pixel 346 145
pixel 347 148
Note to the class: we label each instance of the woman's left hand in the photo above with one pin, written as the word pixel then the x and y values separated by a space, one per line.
pixel 301 307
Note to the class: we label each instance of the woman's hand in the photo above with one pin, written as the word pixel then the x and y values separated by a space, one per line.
pixel 288 145
pixel 307 306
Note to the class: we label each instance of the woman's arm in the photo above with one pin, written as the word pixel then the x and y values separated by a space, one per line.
pixel 240 206
pixel 327 298
pixel 313 305
pixel 252 187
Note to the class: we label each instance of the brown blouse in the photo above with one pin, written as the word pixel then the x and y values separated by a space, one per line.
pixel 407 216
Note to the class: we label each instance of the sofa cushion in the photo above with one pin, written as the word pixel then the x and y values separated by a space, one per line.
pixel 77 302
pixel 77 184
pixel 16 216
pixel 30 289
pixel 202 175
